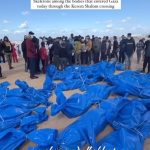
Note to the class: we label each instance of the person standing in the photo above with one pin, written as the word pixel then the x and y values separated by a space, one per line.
pixel 24 51
pixel 31 54
pixel 122 49
pixel 70 51
pixel 2 51
pixel 96 49
pixel 43 57
pixel 7 46
pixel 147 56
pixel 89 49
pixel 14 54
pixel 83 52
pixel 139 50
pixel 63 56
pixel 115 48
pixel 105 48
pixel 129 50
pixel 56 48
pixel 1 76
pixel 77 47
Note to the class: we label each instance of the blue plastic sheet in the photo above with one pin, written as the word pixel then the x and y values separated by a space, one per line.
pixel 44 138
pixel 10 116
pixel 87 127
pixel 120 66
pixel 50 74
pixel 10 139
pixel 131 82
pixel 130 116
pixel 128 138
pixel 38 115
pixel 38 96
pixel 74 77
pixel 78 104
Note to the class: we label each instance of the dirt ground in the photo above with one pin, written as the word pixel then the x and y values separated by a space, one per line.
pixel 60 121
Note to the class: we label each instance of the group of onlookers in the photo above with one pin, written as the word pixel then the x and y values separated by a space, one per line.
pixel 79 50
pixel 7 53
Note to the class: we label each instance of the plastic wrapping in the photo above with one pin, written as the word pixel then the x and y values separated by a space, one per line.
pixel 10 139
pixel 38 96
pixel 87 127
pixel 131 82
pixel 77 104
pixel 128 138
pixel 44 138
pixel 74 77
pixel 10 116
pixel 28 123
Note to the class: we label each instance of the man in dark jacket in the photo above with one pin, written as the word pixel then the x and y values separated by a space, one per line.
pixel 63 56
pixel 24 51
pixel 129 50
pixel 55 49
pixel 122 49
pixel 31 54
pixel 147 55
pixel 70 49
pixel 115 48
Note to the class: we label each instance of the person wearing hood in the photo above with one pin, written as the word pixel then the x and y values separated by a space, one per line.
pixel 129 50
pixel 31 54
pixel 147 55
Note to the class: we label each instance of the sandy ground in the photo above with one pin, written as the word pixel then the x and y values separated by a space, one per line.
pixel 60 121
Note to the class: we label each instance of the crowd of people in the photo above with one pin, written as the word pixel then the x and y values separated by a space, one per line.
pixel 79 50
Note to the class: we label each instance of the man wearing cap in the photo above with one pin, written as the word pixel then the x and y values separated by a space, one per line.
pixel 147 55
pixel 31 54
pixel 129 50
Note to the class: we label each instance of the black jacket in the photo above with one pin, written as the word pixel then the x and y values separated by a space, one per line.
pixel 115 46
pixel 55 48
pixel 122 45
pixel 1 48
pixel 129 47
pixel 24 49
pixel 147 48
pixel 7 49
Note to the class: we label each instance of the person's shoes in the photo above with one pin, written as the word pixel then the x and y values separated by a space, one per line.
pixel 34 77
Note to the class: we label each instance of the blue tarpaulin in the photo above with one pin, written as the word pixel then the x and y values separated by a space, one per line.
pixel 78 104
